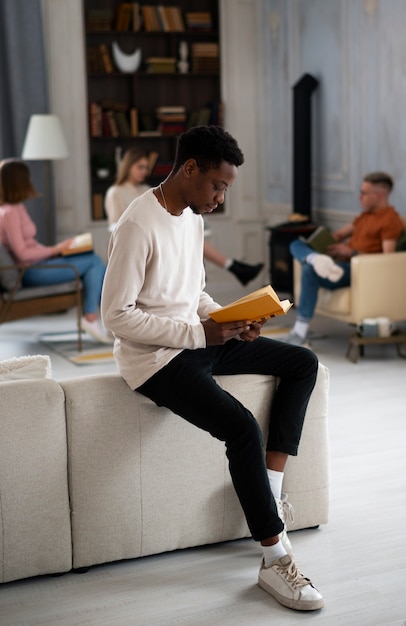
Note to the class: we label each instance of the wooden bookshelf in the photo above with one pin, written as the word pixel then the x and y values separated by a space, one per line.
pixel 134 108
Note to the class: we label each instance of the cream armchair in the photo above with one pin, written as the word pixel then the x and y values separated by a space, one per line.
pixel 378 288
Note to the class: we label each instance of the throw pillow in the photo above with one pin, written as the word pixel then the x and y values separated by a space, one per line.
pixel 7 277
pixel 23 367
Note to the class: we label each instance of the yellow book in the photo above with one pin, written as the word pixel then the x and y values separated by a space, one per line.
pixel 258 305
pixel 81 243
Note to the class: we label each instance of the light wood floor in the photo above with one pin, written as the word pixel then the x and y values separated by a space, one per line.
pixel 357 560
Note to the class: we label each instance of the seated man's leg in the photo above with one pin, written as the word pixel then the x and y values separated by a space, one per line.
pixel 186 386
pixel 311 281
pixel 323 265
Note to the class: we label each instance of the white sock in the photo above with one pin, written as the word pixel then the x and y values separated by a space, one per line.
pixel 301 328
pixel 228 264
pixel 275 481
pixel 310 257
pixel 273 553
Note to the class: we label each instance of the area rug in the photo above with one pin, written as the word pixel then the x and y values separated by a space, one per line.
pixel 66 344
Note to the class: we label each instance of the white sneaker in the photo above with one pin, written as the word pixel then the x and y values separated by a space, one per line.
pixel 285 512
pixel 96 330
pixel 325 267
pixel 288 586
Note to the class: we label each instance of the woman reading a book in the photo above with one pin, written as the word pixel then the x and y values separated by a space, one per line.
pixel 132 172
pixel 17 234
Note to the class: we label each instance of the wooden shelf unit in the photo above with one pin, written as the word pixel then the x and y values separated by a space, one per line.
pixel 145 91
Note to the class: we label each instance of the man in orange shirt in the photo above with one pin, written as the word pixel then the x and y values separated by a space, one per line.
pixel 376 229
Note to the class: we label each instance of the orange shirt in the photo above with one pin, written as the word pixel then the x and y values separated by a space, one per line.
pixel 371 229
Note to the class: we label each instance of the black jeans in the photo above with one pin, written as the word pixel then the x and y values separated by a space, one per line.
pixel 186 386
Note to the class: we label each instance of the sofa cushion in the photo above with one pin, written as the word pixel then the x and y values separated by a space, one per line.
pixel 7 277
pixel 25 367
pixel 35 526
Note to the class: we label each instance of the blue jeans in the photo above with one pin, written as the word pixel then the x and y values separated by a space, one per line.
pixel 90 267
pixel 311 281
pixel 187 387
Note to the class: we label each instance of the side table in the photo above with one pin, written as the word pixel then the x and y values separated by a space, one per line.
pixel 357 342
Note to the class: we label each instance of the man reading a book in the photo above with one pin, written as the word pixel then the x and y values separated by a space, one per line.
pixel 376 229
pixel 168 348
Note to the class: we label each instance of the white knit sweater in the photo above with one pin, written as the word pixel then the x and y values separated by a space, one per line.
pixel 153 295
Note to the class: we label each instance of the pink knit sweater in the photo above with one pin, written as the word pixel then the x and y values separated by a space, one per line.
pixel 17 234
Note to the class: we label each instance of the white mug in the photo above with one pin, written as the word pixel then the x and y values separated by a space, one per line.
pixel 368 327
pixel 385 326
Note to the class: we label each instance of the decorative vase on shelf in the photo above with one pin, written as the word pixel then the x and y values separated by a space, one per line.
pixel 126 63
pixel 183 64
pixel 102 172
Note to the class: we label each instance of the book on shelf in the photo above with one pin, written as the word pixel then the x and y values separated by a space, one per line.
pixel 81 243
pixel 99 19
pixel 256 306
pixel 161 65
pixel 198 21
pixel 123 125
pixel 95 113
pixel 112 123
pixel 199 117
pixel 149 133
pixel 97 206
pixel 320 239
pixel 124 16
pixel 94 60
pixel 134 122
pixel 106 129
pixel 136 16
pixel 205 57
pixel 151 18
pixel 106 58
pixel 171 119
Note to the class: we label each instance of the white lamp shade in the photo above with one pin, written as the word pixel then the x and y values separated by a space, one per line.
pixel 44 139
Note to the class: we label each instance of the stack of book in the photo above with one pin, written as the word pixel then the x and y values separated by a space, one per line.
pixel 171 119
pixel 205 57
pixel 198 21
pixel 99 19
pixel 161 65
pixel 162 18
pixel 111 118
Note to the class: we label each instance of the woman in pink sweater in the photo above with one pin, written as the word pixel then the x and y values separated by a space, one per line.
pixel 17 234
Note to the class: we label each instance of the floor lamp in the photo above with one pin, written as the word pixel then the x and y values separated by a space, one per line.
pixel 45 141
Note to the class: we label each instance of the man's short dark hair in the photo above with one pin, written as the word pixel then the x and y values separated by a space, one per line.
pixel 381 179
pixel 209 146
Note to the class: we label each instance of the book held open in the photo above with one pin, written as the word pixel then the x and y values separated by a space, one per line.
pixel 81 243
pixel 258 305
pixel 320 239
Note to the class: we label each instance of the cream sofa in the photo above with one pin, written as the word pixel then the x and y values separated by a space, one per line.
pixel 91 472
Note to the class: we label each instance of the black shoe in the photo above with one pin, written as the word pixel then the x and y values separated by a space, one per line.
pixel 244 272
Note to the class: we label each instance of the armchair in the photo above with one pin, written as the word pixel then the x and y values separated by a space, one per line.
pixel 377 289
pixel 18 302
